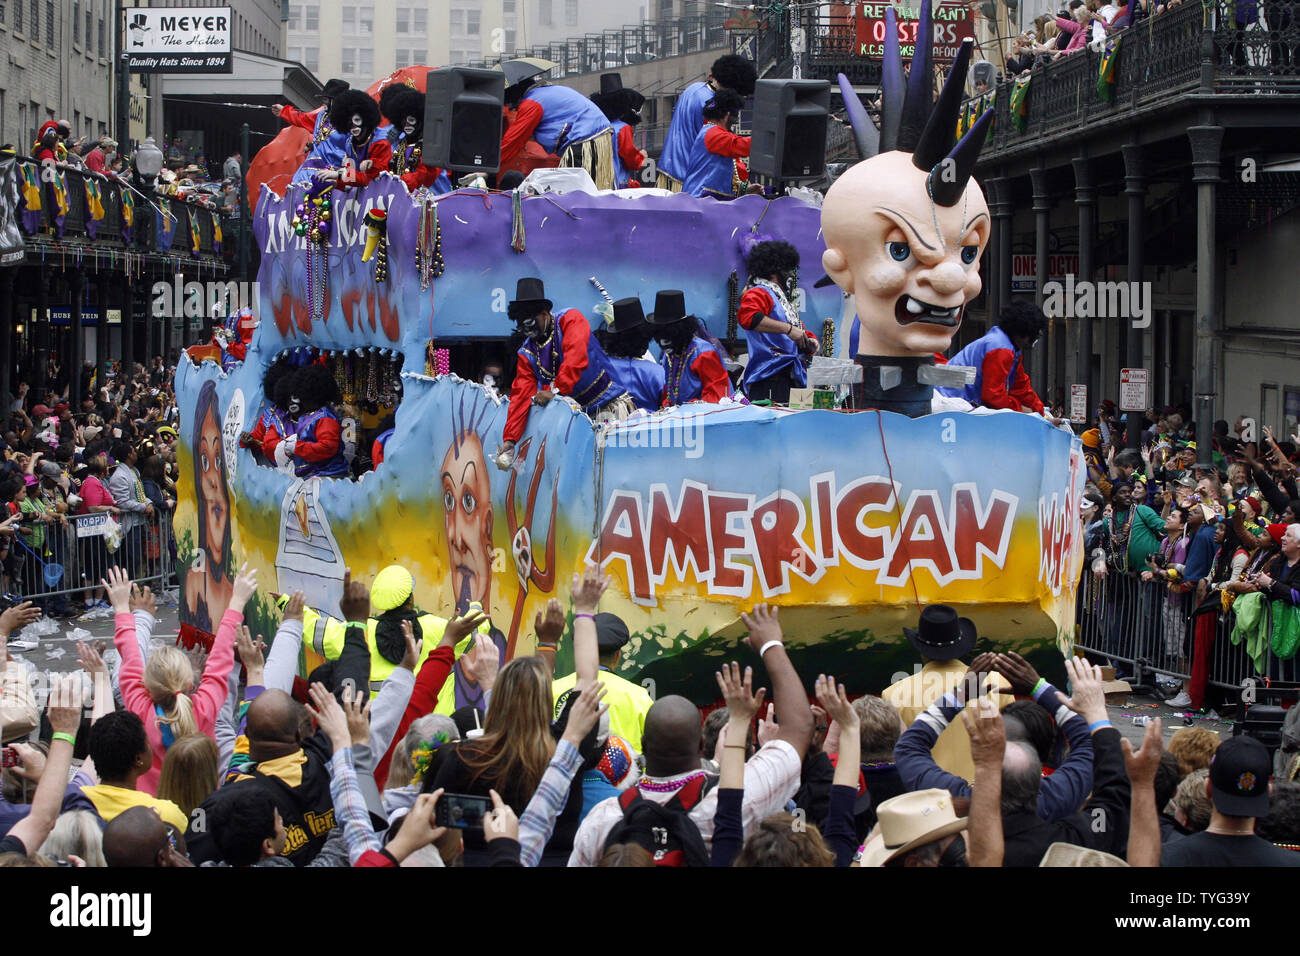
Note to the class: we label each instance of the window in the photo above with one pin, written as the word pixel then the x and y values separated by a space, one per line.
pixel 90 26
pixel 49 23
pixel 35 21
pixel 401 58
pixel 544 12
pixel 419 57
pixel 102 50
pixel 366 61
pixel 76 23
pixel 2 20
pixel 472 20
pixel 311 17
pixel 349 64
pixel 457 23
pixel 418 24
pixel 507 6
pixel 295 17
pixel 366 20
pixel 350 21
pixel 311 58
pixel 571 12
pixel 18 16
pixel 403 23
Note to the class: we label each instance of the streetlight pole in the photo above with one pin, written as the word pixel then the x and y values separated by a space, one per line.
pixel 123 79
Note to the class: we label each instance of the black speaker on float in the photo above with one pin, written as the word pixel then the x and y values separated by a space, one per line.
pixel 462 119
pixel 790 117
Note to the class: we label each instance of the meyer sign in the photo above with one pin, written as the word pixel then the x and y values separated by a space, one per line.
pixel 178 40
pixel 1024 270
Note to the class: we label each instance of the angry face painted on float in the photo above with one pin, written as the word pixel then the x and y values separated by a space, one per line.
pixel 910 264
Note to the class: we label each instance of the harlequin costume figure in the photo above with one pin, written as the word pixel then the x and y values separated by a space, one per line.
pixel 778 343
pixel 563 122
pixel 715 168
pixel 693 366
pixel 324 151
pixel 622 107
pixel 403 107
pixel 625 343
pixel 46 146
pixel 998 359
pixel 730 72
pixel 283 425
pixel 316 446
pixel 905 228
pixel 274 417
pixel 364 152
pixel 560 356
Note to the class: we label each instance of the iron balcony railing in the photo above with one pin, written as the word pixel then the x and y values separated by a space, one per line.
pixel 108 230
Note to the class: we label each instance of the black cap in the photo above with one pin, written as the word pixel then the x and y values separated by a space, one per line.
pixel 332 89
pixel 611 632
pixel 1239 773
pixel 610 83
pixel 628 315
pixel 531 291
pixel 670 307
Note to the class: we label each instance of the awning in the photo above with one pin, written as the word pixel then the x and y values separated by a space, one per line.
pixel 253 79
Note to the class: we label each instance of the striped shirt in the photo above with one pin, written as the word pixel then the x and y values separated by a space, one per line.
pixel 350 807
pixel 538 821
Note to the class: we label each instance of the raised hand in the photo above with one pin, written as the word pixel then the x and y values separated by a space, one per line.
pixel 17 617
pixel 64 706
pixel 1085 685
pixel 763 627
pixel 768 728
pixel 356 710
pixel 835 701
pixel 418 829
pixel 482 662
pixel 584 713
pixel 587 589
pixel 1142 764
pixel 501 823
pixel 737 692
pixel 412 656
pixel 142 599
pixel 355 603
pixel 1018 672
pixel 988 737
pixel 977 674
pixel 250 652
pixel 293 610
pixel 118 586
pixel 91 661
pixel 245 585
pixel 330 716
pixel 549 623
pixel 459 627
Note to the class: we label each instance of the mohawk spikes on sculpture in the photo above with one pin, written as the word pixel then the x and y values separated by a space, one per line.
pixel 913 121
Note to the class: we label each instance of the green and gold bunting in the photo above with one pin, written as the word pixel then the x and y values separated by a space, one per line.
pixel 1020 104
pixel 196 234
pixel 1106 72
pixel 94 206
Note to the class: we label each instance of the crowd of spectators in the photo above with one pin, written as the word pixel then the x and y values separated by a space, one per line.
pixel 114 455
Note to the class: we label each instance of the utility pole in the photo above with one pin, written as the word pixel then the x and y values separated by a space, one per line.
pixel 122 78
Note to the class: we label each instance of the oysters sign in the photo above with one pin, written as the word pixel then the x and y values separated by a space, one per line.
pixel 848 521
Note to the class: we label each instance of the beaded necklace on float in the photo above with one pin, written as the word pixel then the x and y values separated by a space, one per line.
pixel 428 244
pixel 311 220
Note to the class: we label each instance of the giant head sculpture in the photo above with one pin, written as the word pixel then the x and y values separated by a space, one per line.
pixel 905 227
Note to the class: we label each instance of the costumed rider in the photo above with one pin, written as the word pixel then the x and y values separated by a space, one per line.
pixel 559 356
pixel 905 228
pixel 316 446
pixel 779 346
pixel 392 600
pixel 730 72
pixel 715 168
pixel 622 107
pixel 694 367
pixel 364 152
pixel 403 107
pixel 563 122
pixel 284 425
pixel 274 416
pixel 323 154
pixel 47 145
pixel 998 359
pixel 234 336
pixel 625 343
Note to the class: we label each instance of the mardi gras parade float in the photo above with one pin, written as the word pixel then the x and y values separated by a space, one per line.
pixel 850 521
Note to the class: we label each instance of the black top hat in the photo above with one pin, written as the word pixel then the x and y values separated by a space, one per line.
pixel 628 315
pixel 942 635
pixel 611 632
pixel 670 307
pixel 332 89
pixel 610 83
pixel 139 22
pixel 530 291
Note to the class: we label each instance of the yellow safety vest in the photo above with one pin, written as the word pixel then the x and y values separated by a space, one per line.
pixel 628 703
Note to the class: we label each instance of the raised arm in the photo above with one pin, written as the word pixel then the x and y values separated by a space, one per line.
pixel 988 742
pixel 839 828
pixel 213 688
pixel 742 705
pixel 1144 815
pixel 788 695
pixel 587 589
pixel 131 673
pixel 282 663
pixel 64 713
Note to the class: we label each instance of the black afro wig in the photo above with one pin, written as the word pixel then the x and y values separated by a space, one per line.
pixel 724 102
pixel 773 257
pixel 352 102
pixel 735 73
pixel 406 102
pixel 1022 318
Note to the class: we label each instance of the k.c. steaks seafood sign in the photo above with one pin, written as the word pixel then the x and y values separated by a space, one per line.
pixel 178 40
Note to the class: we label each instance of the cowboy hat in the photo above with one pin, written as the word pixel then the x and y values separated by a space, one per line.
pixel 908 821
pixel 941 635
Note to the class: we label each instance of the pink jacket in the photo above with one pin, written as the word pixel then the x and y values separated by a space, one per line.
pixel 207 699
pixel 1078 35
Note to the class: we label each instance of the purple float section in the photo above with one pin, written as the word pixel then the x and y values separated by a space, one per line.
pixel 632 246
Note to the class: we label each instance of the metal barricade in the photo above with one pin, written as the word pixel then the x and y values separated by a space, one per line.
pixel 60 565
pixel 1149 628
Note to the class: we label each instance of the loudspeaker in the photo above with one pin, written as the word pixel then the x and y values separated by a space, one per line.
pixel 789 139
pixel 462 119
